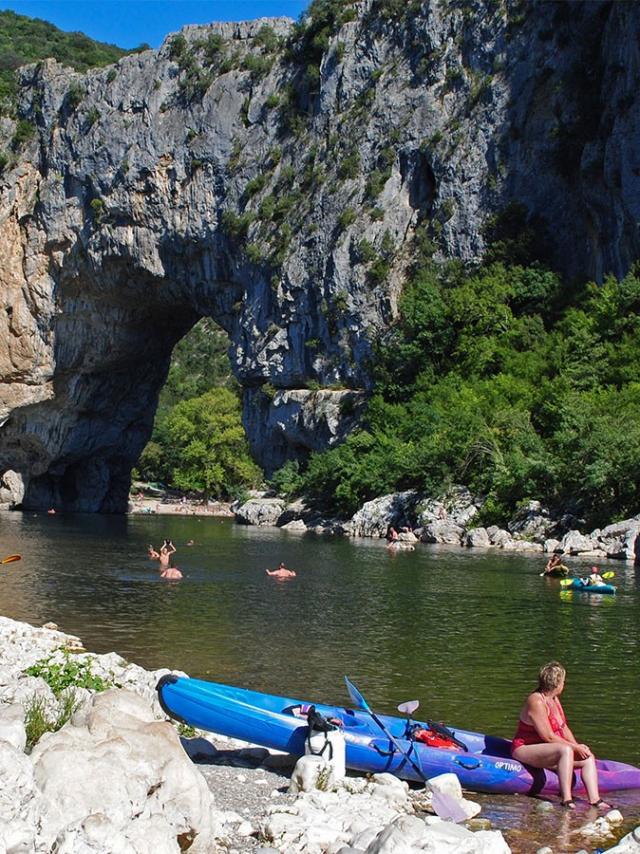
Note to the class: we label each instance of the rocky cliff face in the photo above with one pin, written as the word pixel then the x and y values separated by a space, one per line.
pixel 281 191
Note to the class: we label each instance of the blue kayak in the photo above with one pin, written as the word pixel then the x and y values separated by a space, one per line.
pixel 272 721
pixel 581 585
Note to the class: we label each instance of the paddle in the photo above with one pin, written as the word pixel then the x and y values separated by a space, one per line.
pixel 362 704
pixel 11 559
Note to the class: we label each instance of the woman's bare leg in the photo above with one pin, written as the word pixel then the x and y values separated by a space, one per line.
pixel 558 757
pixel 589 774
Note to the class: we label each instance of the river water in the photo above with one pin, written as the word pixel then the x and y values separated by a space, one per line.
pixel 463 631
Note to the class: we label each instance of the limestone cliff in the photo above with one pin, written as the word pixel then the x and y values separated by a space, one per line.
pixel 276 178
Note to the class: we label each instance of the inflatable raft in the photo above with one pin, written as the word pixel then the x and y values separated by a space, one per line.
pixel 581 585
pixel 272 721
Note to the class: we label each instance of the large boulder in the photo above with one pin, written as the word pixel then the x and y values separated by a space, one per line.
pixel 443 532
pixel 11 490
pixel 263 512
pixel 477 538
pixel 114 760
pixel 629 844
pixel 457 505
pixel 575 543
pixel 376 517
pixel 533 522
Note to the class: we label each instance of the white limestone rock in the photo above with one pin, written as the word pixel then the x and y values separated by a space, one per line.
pixel 477 538
pixel 12 726
pixel 375 517
pixel 310 773
pixel 408 834
pixel 263 512
pixel 447 799
pixel 116 759
pixel 629 844
pixel 575 543
pixel 443 532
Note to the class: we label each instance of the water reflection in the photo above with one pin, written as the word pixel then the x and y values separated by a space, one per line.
pixel 463 631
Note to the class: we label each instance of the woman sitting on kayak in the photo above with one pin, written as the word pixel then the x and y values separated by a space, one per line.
pixel 543 738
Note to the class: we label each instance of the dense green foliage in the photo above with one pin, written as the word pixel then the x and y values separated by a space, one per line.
pixel 198 443
pixel 24 40
pixel 491 379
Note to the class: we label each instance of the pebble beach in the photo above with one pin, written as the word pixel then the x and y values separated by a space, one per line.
pixel 117 776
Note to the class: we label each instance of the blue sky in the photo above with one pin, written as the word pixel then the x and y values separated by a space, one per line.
pixel 128 23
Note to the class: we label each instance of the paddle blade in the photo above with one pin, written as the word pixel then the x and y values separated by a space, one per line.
pixel 608 575
pixel 356 697
pixel 409 707
pixel 448 808
pixel 11 559
pixel 565 582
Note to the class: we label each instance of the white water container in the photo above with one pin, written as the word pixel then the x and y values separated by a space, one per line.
pixel 331 747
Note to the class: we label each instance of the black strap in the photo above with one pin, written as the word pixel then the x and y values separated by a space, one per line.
pixel 327 745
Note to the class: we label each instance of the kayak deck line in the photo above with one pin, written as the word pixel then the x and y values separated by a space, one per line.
pixel 269 720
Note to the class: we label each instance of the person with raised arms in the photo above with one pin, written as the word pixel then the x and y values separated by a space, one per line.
pixel 281 572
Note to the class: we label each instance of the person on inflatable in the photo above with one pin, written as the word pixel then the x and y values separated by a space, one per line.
pixel 555 566
pixel 595 578
pixel 543 738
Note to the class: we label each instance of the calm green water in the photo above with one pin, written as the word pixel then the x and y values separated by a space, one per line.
pixel 461 630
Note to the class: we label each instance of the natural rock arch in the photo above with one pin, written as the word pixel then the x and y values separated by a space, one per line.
pixel 163 190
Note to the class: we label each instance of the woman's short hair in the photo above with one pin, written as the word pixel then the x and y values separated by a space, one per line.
pixel 550 676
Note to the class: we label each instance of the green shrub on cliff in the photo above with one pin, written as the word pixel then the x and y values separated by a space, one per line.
pixel 500 378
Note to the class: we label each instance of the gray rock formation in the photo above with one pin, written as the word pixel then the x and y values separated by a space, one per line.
pixel 376 517
pixel 217 176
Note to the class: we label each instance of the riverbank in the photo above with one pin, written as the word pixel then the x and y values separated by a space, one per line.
pixel 178 507
pixel 453 518
pixel 118 777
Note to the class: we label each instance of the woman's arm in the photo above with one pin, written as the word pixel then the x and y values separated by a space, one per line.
pixel 537 710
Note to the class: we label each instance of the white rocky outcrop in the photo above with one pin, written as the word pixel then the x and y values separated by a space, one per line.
pixel 477 538
pixel 443 531
pixel 116 761
pixel 629 844
pixel 260 511
pixel 376 517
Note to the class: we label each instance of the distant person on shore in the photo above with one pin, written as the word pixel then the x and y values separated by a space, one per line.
pixel 392 535
pixel 281 572
pixel 543 739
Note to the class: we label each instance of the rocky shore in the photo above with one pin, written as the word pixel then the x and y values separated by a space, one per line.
pixel 452 519
pixel 113 776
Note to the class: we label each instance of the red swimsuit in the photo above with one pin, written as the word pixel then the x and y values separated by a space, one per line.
pixel 528 734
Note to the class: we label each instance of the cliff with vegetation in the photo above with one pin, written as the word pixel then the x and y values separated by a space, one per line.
pixel 291 181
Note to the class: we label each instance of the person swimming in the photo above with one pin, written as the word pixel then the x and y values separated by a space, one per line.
pixel 281 572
